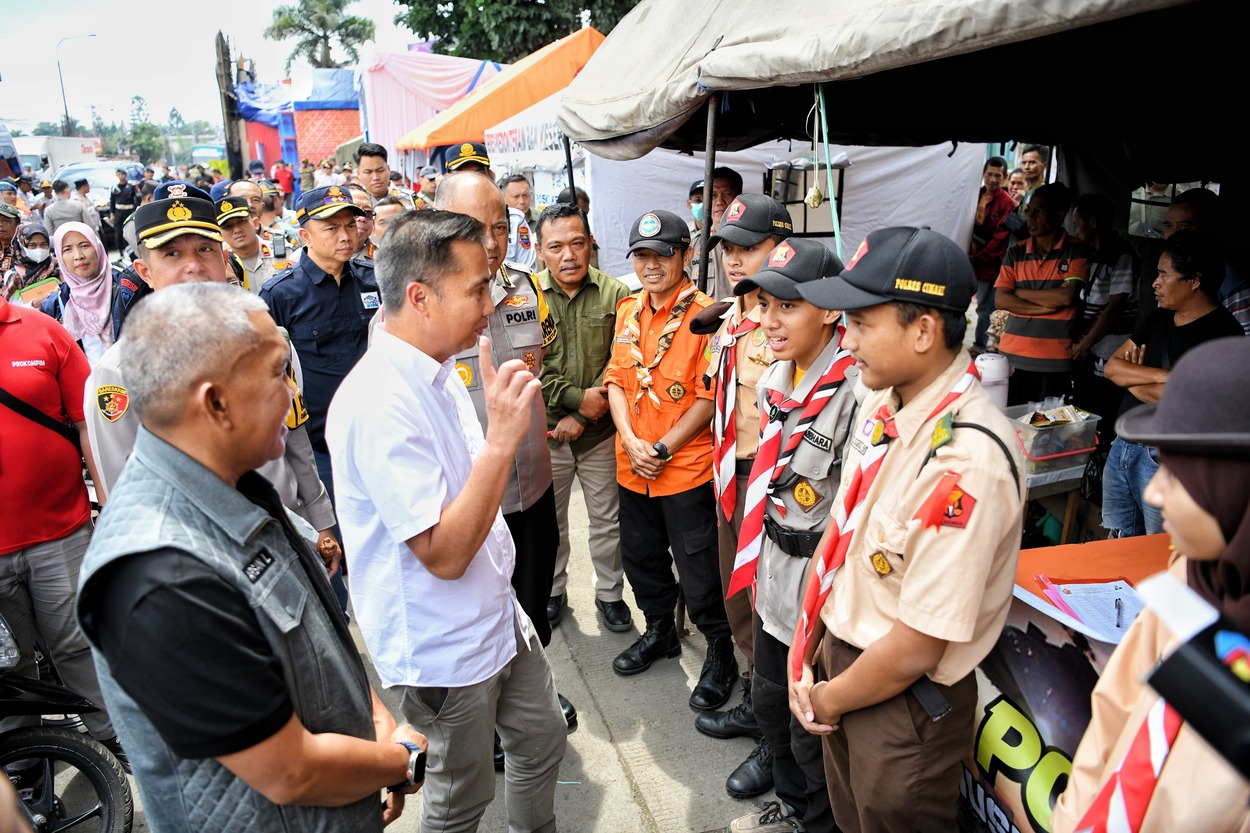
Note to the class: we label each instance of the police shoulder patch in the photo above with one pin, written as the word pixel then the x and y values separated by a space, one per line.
pixel 112 401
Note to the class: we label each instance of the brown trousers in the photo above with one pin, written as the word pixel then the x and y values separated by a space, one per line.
pixel 737 609
pixel 889 767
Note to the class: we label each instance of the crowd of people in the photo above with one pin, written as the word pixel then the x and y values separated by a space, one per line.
pixel 372 402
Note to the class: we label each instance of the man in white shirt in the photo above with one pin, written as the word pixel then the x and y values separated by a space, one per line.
pixel 419 493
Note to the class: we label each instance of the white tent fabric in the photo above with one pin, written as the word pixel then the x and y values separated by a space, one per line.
pixel 400 90
pixel 530 140
pixel 926 186
pixel 730 45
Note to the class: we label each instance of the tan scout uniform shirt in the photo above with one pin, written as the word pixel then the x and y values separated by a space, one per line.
pixel 948 582
pixel 806 487
pixel 753 358
pixel 1197 789
pixel 112 426
pixel 521 327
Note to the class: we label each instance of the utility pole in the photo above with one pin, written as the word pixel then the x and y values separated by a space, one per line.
pixel 229 108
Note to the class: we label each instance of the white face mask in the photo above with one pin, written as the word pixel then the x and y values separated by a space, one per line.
pixel 38 255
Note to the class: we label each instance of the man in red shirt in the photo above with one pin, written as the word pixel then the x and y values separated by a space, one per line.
pixel 45 513
pixel 286 180
pixel 990 239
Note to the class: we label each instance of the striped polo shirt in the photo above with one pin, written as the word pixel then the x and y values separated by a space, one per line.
pixel 1042 343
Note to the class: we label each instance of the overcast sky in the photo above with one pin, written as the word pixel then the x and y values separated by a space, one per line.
pixel 162 50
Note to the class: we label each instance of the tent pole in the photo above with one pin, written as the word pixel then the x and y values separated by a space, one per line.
pixel 709 164
pixel 568 163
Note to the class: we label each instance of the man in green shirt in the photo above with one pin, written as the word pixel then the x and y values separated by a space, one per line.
pixel 583 302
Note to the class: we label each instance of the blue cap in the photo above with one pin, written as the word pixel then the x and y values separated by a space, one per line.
pixel 219 189
pixel 180 189
pixel 320 203
pixel 7 185
pixel 465 153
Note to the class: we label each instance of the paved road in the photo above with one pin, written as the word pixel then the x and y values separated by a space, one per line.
pixel 635 764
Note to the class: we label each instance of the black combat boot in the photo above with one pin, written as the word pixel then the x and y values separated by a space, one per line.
pixel 716 682
pixel 738 722
pixel 659 640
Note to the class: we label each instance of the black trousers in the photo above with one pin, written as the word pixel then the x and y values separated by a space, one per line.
pixel 798 759
pixel 657 532
pixel 1025 386
pixel 119 239
pixel 536 535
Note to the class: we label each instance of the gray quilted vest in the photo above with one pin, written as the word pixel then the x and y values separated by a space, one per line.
pixel 164 499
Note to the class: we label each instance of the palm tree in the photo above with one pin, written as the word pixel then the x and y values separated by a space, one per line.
pixel 314 23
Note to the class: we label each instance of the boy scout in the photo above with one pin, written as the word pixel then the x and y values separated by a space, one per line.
pixel 914 575
pixel 748 230
pixel 662 412
pixel 806 400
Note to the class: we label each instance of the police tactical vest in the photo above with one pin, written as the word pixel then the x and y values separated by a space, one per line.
pixel 517 330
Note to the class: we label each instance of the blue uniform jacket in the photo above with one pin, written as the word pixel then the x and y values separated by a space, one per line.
pixel 328 323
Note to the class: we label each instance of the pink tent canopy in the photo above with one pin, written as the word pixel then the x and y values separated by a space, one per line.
pixel 400 90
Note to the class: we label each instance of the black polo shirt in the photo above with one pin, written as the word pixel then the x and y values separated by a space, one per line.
pixel 329 327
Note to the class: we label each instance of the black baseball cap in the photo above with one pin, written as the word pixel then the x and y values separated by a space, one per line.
pixel 791 263
pixel 914 265
pixel 660 231
pixel 230 207
pixel 1220 426
pixel 465 153
pixel 162 220
pixel 322 203
pixel 750 219
pixel 696 187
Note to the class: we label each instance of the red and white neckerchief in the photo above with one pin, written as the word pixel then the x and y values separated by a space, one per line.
pixel 771 460
pixel 724 423
pixel 848 517
pixel 1121 803
pixel 633 328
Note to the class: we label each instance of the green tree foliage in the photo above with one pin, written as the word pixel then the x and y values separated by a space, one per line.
pixel 176 121
pixel 147 142
pixel 53 128
pixel 315 25
pixel 504 30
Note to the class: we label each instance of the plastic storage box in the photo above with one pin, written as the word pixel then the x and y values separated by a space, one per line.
pixel 1055 446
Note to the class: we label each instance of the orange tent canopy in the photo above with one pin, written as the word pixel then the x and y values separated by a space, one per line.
pixel 528 81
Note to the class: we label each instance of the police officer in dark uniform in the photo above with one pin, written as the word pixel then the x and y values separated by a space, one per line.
pixel 123 200
pixel 325 302
pixel 131 288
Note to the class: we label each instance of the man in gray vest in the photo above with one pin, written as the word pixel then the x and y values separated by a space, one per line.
pixel 521 327
pixel 197 561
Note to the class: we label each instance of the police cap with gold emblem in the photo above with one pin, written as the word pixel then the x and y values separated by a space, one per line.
pixel 177 208
pixel 790 264
pixel 323 203
pixel 229 208
pixel 660 231
pixel 466 152
pixel 914 265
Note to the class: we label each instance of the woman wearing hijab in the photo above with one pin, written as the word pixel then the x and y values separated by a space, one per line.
pixel 85 303
pixel 1201 427
pixel 33 261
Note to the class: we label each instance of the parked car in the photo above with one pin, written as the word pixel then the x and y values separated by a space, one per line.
pixel 102 176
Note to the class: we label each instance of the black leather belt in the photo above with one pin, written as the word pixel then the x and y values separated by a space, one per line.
pixel 743 467
pixel 792 543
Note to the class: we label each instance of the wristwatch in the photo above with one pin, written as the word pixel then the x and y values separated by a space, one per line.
pixel 416 767
pixel 662 450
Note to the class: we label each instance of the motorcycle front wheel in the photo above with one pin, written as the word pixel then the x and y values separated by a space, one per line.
pixel 68 782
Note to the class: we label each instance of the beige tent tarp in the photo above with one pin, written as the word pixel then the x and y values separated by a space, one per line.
pixel 897 72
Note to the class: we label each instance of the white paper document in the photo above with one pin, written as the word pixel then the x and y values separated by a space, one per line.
pixel 1107 608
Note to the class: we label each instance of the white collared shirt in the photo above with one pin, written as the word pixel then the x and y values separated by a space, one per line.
pixel 403 434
